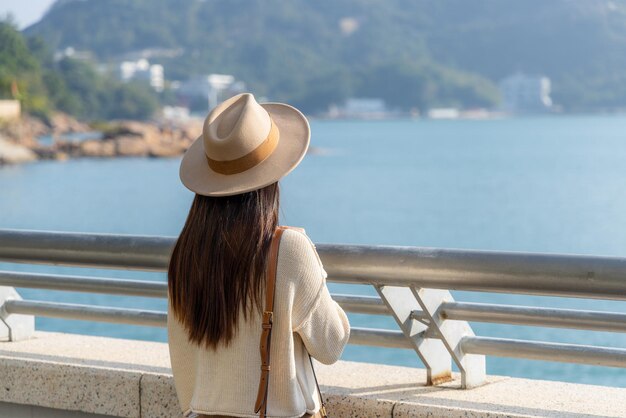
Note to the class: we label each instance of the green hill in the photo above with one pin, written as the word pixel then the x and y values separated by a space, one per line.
pixel 29 74
pixel 412 53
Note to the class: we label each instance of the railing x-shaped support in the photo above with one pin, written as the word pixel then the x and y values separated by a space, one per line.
pixel 436 340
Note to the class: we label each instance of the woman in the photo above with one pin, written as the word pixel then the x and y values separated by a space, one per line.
pixel 219 267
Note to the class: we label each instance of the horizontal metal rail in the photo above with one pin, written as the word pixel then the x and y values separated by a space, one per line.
pixel 359 336
pixel 530 315
pixel 87 250
pixel 84 284
pixel 378 338
pixel 583 354
pixel 370 305
pixel 536 350
pixel 86 312
pixel 354 304
pixel 463 311
pixel 487 271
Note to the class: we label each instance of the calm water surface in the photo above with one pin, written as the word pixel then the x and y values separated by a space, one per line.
pixel 553 184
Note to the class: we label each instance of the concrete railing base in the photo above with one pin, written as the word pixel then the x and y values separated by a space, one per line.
pixel 14 327
pixel 16 410
pixel 54 372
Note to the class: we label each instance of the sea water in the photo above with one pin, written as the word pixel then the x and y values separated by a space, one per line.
pixel 545 184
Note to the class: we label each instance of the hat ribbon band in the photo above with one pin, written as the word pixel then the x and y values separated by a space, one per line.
pixel 254 157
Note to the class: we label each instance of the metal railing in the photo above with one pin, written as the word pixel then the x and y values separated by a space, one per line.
pixel 412 283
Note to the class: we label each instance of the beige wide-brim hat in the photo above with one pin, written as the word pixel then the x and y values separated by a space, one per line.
pixel 245 146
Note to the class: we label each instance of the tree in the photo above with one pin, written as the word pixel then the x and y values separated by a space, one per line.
pixel 20 72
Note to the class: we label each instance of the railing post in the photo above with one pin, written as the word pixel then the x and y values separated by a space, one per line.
pixel 431 351
pixel 451 332
pixel 436 340
pixel 14 327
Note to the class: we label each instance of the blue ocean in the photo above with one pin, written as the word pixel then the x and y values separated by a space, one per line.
pixel 543 184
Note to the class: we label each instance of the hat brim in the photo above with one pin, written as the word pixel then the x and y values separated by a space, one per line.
pixel 295 135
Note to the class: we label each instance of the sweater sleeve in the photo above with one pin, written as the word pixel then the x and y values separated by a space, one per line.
pixel 317 318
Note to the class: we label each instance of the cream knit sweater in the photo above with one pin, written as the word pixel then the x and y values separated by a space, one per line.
pixel 225 381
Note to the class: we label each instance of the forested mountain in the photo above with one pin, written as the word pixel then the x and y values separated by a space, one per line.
pixel 413 53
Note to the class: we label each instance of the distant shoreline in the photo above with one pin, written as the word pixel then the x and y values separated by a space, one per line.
pixel 28 139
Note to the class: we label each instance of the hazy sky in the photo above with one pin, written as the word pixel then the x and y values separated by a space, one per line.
pixel 25 12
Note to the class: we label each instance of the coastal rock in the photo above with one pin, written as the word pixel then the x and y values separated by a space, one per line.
pixel 125 138
pixel 61 156
pixel 192 129
pixel 98 148
pixel 166 150
pixel 64 123
pixel 45 152
pixel 129 128
pixel 12 153
pixel 48 153
pixel 180 140
pixel 130 146
pixel 25 130
pixel 71 148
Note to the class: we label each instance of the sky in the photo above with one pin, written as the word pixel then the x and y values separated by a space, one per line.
pixel 25 12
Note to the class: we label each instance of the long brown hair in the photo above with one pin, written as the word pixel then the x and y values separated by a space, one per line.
pixel 217 268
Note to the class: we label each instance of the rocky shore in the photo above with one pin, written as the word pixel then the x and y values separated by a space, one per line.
pixel 20 139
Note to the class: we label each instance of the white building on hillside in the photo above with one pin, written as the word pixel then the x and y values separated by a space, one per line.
pixel 524 93
pixel 214 88
pixel 142 70
pixel 361 108
pixel 70 52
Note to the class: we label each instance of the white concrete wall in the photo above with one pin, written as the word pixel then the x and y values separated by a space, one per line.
pixel 10 109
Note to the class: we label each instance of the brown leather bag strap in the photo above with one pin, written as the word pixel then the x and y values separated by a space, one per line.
pixel 266 333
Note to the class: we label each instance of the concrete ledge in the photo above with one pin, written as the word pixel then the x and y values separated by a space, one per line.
pixel 126 378
pixel 15 410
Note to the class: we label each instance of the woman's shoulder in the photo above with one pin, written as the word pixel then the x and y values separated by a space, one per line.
pixel 295 240
pixel 297 249
pixel 293 228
